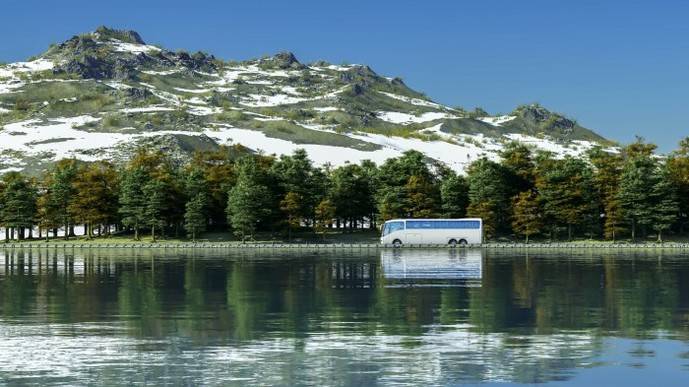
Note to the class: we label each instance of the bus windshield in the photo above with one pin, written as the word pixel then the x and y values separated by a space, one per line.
pixel 391 227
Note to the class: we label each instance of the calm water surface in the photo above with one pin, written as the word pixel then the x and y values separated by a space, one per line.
pixel 409 317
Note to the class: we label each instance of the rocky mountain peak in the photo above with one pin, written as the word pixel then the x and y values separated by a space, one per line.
pixel 360 75
pixel 118 54
pixel 537 114
pixel 103 33
pixel 283 60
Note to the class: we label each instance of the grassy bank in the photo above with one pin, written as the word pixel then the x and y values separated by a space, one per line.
pixel 359 236
pixel 303 238
pixel 331 244
pixel 307 236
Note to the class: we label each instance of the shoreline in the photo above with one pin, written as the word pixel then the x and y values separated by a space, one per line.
pixel 341 246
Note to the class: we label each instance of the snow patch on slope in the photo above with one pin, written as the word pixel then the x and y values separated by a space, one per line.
pixel 455 155
pixel 57 136
pixel 133 48
pixel 193 91
pixel 327 109
pixel 406 119
pixel 8 86
pixel 26 67
pixel 203 110
pixel 261 100
pixel 320 154
pixel 9 79
pixel 414 101
pixel 340 68
pixel 496 121
pixel 147 109
pixel 165 72
pixel 575 148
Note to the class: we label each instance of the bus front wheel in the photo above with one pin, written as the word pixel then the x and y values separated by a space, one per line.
pixel 397 243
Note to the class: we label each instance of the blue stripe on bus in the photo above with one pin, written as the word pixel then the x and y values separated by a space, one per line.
pixel 443 224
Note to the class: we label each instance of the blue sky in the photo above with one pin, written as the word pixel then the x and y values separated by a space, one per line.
pixel 619 67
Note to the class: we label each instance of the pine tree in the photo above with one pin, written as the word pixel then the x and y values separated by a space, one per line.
pixel 249 200
pixel 325 212
pixel 454 196
pixel 95 195
pixel 406 185
pixel 487 211
pixel 606 180
pixel 613 219
pixel 18 203
pixel 291 206
pixel 194 215
pixel 296 173
pixel 488 195
pixel 391 203
pixel 220 175
pixel 195 183
pixel 154 211
pixel 48 213
pixel 422 197
pixel 665 205
pixel 568 195
pixel 132 200
pixel 196 189
pixel 545 161
pixel 47 217
pixel 518 162
pixel 526 218
pixel 635 194
pixel 157 165
pixel 350 191
pixel 59 195
pixel 639 149
pixel 370 177
pixel 678 173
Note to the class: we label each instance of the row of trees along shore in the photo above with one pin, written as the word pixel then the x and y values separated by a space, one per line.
pixel 628 194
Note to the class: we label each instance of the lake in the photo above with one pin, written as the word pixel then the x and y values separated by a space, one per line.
pixel 392 317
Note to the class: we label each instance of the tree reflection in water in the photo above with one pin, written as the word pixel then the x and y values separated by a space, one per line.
pixel 407 316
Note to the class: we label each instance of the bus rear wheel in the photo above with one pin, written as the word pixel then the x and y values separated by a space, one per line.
pixel 463 242
pixel 452 243
pixel 397 243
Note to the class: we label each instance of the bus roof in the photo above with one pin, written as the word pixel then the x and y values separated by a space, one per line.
pixel 431 219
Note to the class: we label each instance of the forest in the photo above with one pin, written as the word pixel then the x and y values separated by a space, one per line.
pixel 631 194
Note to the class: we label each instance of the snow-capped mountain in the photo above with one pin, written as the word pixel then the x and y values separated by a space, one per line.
pixel 101 94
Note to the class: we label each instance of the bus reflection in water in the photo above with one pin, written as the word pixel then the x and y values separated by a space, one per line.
pixel 407 267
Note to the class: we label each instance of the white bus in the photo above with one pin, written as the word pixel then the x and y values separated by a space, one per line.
pixel 450 232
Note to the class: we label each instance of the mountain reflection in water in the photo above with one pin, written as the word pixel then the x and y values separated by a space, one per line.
pixel 392 317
